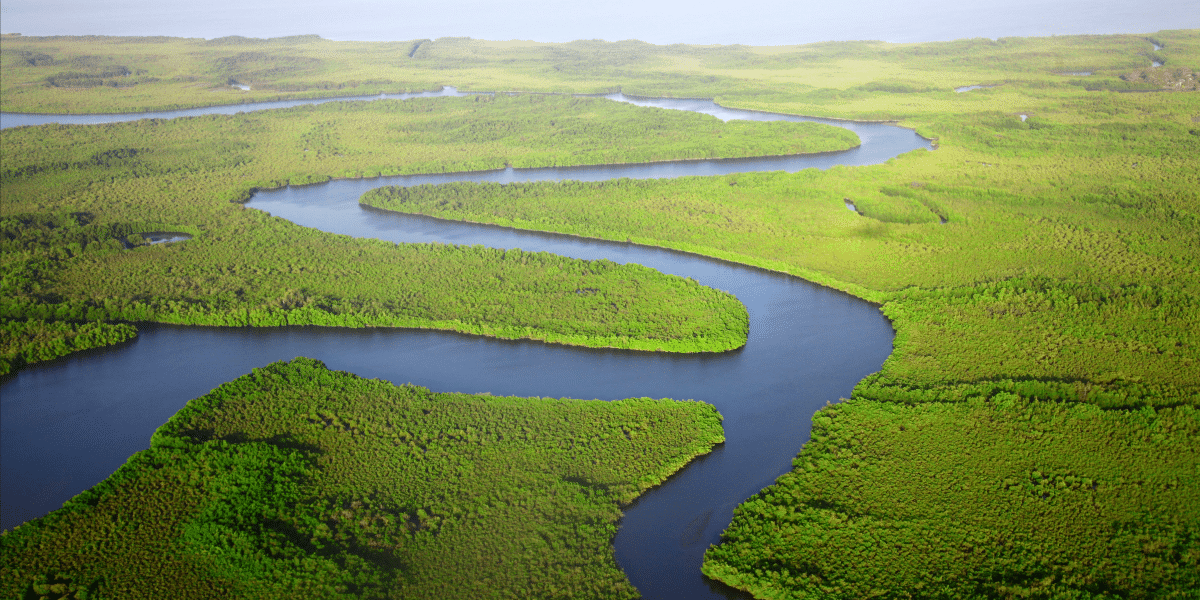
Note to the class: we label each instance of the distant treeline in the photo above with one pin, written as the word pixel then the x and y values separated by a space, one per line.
pixel 848 79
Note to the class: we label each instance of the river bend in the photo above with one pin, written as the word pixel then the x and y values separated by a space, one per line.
pixel 67 424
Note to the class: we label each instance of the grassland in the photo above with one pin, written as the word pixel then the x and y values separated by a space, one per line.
pixel 1046 333
pixel 296 481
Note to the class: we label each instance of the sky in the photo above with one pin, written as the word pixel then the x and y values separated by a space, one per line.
pixel 753 22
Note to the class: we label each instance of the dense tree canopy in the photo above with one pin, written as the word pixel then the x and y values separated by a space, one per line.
pixel 1032 435
pixel 297 481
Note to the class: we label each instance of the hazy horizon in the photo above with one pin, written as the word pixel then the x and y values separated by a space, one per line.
pixel 757 22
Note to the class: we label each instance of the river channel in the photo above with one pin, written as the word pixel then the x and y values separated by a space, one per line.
pixel 67 424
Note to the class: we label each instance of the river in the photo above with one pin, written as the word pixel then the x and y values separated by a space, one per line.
pixel 67 424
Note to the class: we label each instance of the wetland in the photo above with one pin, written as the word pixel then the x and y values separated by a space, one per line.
pixel 808 345
pixel 1037 272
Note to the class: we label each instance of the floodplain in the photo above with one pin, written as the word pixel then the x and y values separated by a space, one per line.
pixel 1040 268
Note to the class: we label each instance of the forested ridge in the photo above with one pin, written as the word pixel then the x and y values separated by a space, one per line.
pixel 1040 269
pixel 297 481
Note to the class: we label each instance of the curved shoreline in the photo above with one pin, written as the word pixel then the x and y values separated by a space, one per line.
pixel 303 100
pixel 505 168
pixel 428 94
pixel 440 92
pixel 647 546
pixel 759 451
pixel 833 287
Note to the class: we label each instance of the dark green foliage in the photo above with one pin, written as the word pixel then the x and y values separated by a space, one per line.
pixel 895 87
pixel 511 294
pixel 1116 346
pixel 108 159
pixel 253 66
pixel 106 76
pixel 33 340
pixel 296 481
pixel 993 498
pixel 31 58
pixel 1065 272
pixel 32 250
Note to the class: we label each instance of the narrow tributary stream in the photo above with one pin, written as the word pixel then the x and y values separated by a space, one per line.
pixel 67 424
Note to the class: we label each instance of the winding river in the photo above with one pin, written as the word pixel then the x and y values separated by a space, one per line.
pixel 66 424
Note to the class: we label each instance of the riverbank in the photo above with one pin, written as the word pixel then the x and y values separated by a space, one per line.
pixel 1065 275
pixel 465 495
pixel 281 290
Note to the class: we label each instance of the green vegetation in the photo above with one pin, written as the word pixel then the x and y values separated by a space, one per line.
pixel 1066 271
pixel 30 341
pixel 848 79
pixel 70 194
pixel 995 498
pixel 1046 333
pixel 1084 281
pixel 296 481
